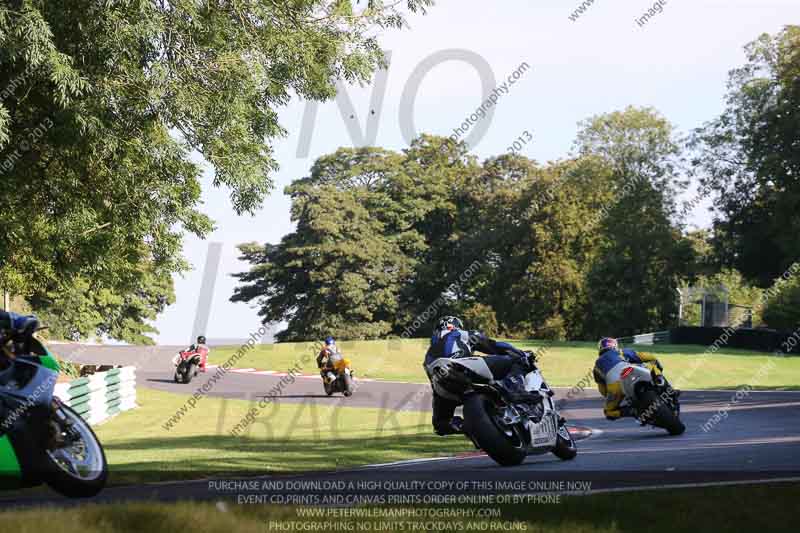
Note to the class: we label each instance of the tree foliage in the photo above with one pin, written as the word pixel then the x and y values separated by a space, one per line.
pixel 750 157
pixel 102 104
pixel 641 256
pixel 553 251
pixel 782 311
pixel 730 284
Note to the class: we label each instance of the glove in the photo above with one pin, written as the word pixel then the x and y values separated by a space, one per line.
pixel 520 353
pixel 527 358
pixel 658 365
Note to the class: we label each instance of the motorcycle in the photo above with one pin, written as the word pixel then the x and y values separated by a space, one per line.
pixel 496 419
pixel 649 395
pixel 42 440
pixel 186 364
pixel 338 377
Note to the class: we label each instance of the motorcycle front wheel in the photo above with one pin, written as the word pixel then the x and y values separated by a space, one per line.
pixel 75 461
pixel 565 449
pixel 504 445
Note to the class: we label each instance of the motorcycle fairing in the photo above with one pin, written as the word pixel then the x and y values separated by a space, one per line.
pixel 545 432
pixel 638 375
pixel 444 370
pixel 9 465
pixel 29 388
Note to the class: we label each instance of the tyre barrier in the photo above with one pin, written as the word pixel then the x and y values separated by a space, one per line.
pixel 101 395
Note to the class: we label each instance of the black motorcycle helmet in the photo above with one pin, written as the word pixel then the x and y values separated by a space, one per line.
pixel 201 339
pixel 445 324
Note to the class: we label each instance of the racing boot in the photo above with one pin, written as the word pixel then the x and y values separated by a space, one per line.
pixel 454 427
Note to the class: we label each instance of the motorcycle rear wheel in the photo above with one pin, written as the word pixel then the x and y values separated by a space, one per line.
pixel 505 449
pixel 662 416
pixel 191 371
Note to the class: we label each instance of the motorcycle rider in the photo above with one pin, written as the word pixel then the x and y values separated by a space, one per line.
pixel 324 359
pixel 21 327
pixel 449 339
pixel 201 348
pixel 611 354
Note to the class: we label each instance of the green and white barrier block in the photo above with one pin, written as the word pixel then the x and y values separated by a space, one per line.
pixel 101 395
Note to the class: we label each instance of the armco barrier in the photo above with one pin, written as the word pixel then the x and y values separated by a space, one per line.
pixel 659 337
pixel 101 395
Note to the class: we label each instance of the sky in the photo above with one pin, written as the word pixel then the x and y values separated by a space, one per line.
pixel 677 62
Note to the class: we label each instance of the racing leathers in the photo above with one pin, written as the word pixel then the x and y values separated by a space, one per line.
pixel 503 360
pixel 612 392
pixel 202 350
pixel 325 364
pixel 19 327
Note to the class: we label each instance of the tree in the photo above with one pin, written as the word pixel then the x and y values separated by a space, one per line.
pixel 730 284
pixel 341 271
pixel 84 310
pixel 374 245
pixel 437 171
pixel 782 310
pixel 526 222
pixel 642 256
pixel 103 103
pixel 750 157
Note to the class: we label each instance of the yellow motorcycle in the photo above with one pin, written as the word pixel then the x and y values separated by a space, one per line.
pixel 337 376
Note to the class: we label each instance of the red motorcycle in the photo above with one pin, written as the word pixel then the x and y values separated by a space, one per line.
pixel 187 364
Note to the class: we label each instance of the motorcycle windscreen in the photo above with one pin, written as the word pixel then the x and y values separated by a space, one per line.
pixel 46 358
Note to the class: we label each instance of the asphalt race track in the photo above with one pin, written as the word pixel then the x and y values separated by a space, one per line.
pixel 759 439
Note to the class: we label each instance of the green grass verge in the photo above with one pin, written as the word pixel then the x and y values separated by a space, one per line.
pixel 564 363
pixel 744 508
pixel 285 438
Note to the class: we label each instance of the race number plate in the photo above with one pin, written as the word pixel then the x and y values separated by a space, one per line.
pixel 544 431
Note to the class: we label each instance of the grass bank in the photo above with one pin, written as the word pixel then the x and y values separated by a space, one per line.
pixel 722 509
pixel 285 438
pixel 563 363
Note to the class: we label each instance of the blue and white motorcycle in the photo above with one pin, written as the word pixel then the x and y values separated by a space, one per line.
pixel 495 418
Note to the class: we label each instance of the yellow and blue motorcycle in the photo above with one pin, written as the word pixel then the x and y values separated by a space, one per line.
pixel 42 440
